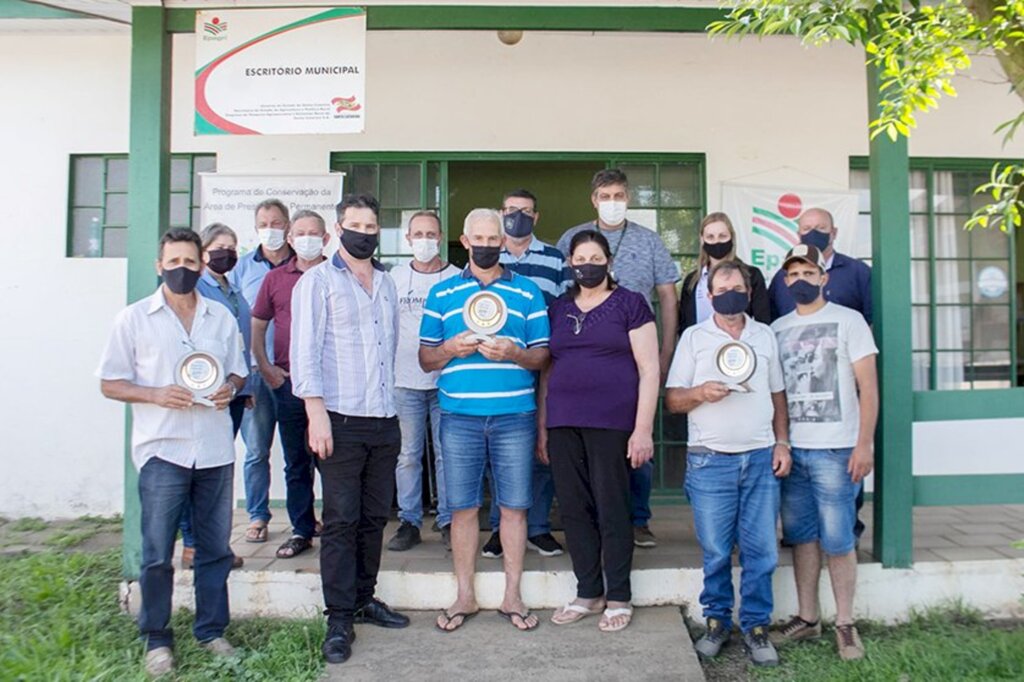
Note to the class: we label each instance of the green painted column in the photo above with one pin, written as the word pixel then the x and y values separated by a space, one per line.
pixel 890 290
pixel 148 206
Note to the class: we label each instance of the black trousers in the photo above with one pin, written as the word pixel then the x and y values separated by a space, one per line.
pixel 591 475
pixel 359 484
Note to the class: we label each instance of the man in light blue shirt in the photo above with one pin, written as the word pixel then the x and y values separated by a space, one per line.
pixel 487 388
pixel 258 423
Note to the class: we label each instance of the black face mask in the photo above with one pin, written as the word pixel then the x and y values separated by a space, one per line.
pixel 222 260
pixel 359 244
pixel 590 275
pixel 485 257
pixel 730 302
pixel 518 225
pixel 804 292
pixel 719 250
pixel 181 280
pixel 817 239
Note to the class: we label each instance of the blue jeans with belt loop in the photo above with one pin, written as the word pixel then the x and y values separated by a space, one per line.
pixel 735 498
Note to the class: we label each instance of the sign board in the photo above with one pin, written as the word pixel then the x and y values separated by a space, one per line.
pixel 280 71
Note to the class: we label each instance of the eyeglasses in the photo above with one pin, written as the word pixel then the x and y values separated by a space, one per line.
pixel 577 322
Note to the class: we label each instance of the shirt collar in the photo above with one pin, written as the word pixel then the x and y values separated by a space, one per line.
pixel 506 274
pixel 158 301
pixel 260 258
pixel 339 262
pixel 292 265
pixel 713 326
pixel 837 260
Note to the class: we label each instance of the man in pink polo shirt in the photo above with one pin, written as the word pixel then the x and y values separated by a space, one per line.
pixel 307 237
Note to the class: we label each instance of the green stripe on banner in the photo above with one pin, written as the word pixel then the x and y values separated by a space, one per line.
pixel 772 237
pixel 776 217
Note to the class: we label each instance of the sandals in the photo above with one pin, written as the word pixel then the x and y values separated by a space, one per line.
pixel 605 624
pixel 509 615
pixel 293 546
pixel 449 617
pixel 257 532
pixel 573 613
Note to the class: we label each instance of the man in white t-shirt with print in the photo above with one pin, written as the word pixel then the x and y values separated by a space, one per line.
pixel 416 390
pixel 828 361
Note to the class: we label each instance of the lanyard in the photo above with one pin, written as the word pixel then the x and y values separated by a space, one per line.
pixel 615 251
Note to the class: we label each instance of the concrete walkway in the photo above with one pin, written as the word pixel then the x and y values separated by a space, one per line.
pixel 654 647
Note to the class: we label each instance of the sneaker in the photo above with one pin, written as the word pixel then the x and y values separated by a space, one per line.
pixel 446 537
pixel 159 661
pixel 545 544
pixel 406 537
pixel 492 550
pixel 715 637
pixel 795 630
pixel 848 642
pixel 218 646
pixel 759 649
pixel 643 537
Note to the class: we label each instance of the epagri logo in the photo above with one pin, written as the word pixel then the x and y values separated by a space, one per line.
pixel 214 29
pixel 343 105
pixel 777 227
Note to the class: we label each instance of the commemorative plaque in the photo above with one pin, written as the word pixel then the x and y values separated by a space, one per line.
pixel 201 373
pixel 485 314
pixel 736 361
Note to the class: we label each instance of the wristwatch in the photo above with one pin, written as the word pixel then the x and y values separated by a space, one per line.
pixel 784 443
pixel 234 389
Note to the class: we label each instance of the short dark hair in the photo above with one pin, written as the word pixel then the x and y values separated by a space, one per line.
pixel 272 203
pixel 180 234
pixel 727 266
pixel 608 176
pixel 520 194
pixel 425 214
pixel 584 237
pixel 357 201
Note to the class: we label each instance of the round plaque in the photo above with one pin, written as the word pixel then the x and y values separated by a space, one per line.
pixel 737 362
pixel 485 313
pixel 199 372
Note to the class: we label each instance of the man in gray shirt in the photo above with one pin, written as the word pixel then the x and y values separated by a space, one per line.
pixel 641 263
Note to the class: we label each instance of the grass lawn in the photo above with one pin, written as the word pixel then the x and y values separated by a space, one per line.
pixel 60 620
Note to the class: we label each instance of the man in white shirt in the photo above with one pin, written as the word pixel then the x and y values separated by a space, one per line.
pixel 184 450
pixel 343 337
pixel 828 360
pixel 416 390
pixel 738 449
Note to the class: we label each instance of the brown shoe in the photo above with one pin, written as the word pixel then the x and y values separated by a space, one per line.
pixel 795 630
pixel 188 557
pixel 238 562
pixel 848 643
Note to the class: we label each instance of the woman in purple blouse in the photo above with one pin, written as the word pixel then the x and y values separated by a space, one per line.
pixel 595 416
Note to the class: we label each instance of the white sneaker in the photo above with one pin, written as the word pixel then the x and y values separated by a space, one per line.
pixel 159 661
pixel 219 647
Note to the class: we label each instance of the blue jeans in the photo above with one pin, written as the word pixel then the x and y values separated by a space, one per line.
pixel 640 493
pixel 538 518
pixel 735 498
pixel 298 462
pixel 258 436
pixel 818 500
pixel 413 406
pixel 164 490
pixel 504 442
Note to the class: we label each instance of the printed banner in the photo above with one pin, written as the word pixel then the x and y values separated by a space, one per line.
pixel 765 220
pixel 232 199
pixel 280 71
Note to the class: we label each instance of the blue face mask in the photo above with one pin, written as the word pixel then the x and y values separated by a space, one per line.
pixel 804 292
pixel 730 302
pixel 819 240
pixel 518 225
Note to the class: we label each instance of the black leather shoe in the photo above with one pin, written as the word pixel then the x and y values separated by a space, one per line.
pixel 338 644
pixel 376 612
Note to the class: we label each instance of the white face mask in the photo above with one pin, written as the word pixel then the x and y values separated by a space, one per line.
pixel 271 238
pixel 611 212
pixel 309 247
pixel 425 250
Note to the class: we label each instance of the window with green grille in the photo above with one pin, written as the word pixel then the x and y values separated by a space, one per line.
pixel 98 200
pixel 965 284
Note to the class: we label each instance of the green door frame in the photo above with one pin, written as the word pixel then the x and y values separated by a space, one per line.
pixel 148 210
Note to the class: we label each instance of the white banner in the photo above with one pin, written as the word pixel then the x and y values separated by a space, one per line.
pixel 765 220
pixel 232 199
pixel 280 71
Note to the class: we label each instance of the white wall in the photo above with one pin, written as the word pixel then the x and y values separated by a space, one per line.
pixel 769 111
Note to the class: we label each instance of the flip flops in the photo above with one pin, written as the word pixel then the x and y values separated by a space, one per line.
pixel 509 615
pixel 573 613
pixel 449 617
pixel 605 626
pixel 257 532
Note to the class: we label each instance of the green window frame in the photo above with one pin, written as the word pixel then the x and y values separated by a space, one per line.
pixel 98 200
pixel 962 339
pixel 669 194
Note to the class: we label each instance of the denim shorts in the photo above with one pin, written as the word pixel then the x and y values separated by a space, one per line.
pixel 819 500
pixel 506 442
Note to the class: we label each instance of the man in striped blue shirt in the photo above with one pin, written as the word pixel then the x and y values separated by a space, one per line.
pixel 343 338
pixel 488 408
pixel 528 256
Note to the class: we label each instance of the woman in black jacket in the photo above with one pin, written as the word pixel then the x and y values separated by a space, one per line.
pixel 718 243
